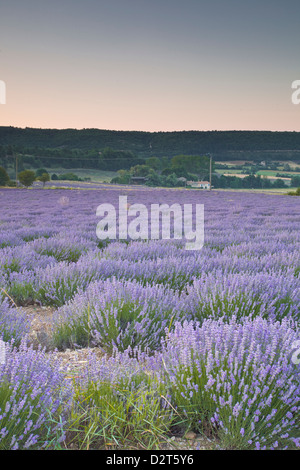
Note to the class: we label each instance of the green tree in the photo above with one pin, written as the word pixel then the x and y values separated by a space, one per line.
pixel 26 177
pixel 294 193
pixel 140 170
pixel 40 172
pixel 44 178
pixel 295 181
pixel 279 183
pixel 154 179
pixel 4 178
pixel 171 181
pixel 68 177
pixel 154 163
pixel 122 178
pixel 165 162
pixel 193 163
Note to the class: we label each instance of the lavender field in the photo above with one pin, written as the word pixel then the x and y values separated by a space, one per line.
pixel 179 341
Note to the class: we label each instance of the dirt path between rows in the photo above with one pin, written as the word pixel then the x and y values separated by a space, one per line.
pixel 74 360
pixel 40 334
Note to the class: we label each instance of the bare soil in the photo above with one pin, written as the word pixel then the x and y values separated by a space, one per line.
pixel 73 360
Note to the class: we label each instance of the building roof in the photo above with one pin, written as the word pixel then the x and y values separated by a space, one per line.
pixel 139 178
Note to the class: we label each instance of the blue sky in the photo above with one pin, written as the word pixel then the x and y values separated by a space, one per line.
pixel 158 65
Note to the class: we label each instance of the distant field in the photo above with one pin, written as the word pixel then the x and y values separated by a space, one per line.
pixel 236 162
pixel 228 171
pixel 271 174
pixel 133 188
pixel 292 164
pixel 268 176
pixel 268 172
pixel 98 176
pixel 274 173
pixel 282 191
pixel 246 162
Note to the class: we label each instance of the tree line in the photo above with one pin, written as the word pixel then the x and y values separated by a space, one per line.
pixel 224 145
pixel 36 157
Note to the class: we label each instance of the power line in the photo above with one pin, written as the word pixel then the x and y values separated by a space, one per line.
pixel 74 158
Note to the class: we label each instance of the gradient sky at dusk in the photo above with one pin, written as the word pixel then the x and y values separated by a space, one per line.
pixel 152 65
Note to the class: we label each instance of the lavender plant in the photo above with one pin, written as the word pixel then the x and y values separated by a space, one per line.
pixel 243 295
pixel 115 314
pixel 14 323
pixel 33 392
pixel 237 378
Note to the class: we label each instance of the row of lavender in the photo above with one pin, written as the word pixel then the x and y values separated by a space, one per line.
pixel 220 322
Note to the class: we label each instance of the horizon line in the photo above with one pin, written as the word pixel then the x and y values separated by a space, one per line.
pixel 145 131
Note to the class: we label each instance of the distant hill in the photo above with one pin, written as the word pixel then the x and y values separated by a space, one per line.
pixel 223 145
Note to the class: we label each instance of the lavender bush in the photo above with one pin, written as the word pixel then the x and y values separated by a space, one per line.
pixel 14 323
pixel 237 377
pixel 33 394
pixel 116 314
pixel 234 381
pixel 243 295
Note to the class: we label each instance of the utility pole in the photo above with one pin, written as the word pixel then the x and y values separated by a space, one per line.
pixel 210 166
pixel 16 170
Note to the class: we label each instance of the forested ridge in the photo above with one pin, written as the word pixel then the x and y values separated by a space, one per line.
pixel 223 145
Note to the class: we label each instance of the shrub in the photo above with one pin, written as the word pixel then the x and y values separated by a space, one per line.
pixel 294 193
pixel 13 321
pixel 242 295
pixel 116 314
pixel 26 177
pixel 32 391
pixel 4 178
pixel 68 177
pixel 40 172
pixel 238 379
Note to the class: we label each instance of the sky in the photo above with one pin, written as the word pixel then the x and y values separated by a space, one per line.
pixel 150 65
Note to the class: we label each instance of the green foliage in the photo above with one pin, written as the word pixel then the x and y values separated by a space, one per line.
pixel 15 426
pixel 72 148
pixel 295 181
pixel 294 193
pixel 68 177
pixel 4 178
pixel 140 170
pixel 26 177
pixel 110 159
pixel 192 163
pixel 76 332
pixel 106 415
pixel 21 292
pixel 123 177
pixel 248 182
pixel 196 410
pixel 44 178
pixel 113 326
pixel 154 163
pixel 40 172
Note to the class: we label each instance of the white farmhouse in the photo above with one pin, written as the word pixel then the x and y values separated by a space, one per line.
pixel 199 184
